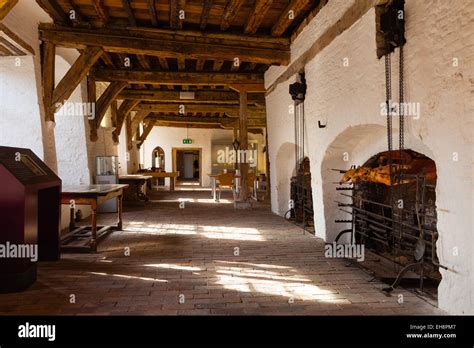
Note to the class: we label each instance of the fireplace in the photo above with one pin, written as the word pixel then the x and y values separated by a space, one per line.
pixel 392 209
pixel 301 204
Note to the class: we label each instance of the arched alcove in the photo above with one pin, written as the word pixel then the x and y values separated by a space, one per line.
pixel 366 146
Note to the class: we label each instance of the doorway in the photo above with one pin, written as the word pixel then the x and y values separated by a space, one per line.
pixel 188 162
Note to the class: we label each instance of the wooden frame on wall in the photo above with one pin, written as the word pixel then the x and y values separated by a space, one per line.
pixel 176 149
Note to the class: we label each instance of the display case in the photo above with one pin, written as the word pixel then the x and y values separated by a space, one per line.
pixel 107 165
pixel 107 173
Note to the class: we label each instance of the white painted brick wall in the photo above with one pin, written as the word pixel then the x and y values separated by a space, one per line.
pixel 348 99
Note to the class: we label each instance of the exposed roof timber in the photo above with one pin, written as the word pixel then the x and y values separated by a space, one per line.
pixel 308 19
pixel 6 6
pixel 143 61
pixel 230 12
pixel 101 11
pixel 153 13
pixel 16 39
pixel 168 44
pixel 217 97
pixel 291 12
pixel 254 111
pixel 106 99
pixel 200 64
pixel 205 14
pixel 175 7
pixel 55 11
pixel 259 11
pixel 177 78
pixel 75 75
pixel 10 48
pixel 206 126
pixel 224 121
pixel 218 64
pixel 129 11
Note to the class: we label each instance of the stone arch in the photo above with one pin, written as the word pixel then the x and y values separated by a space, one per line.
pixel 284 170
pixel 353 146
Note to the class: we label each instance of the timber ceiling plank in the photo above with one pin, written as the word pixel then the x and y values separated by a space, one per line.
pixel 177 78
pixel 231 10
pixel 153 13
pixel 200 96
pixel 294 9
pixel 167 44
pixel 206 8
pixel 55 11
pixel 259 12
pixel 128 9
pixel 101 11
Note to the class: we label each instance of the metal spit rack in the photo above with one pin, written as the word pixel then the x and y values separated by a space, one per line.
pixel 400 231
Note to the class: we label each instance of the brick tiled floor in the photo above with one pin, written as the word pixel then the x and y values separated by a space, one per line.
pixel 206 259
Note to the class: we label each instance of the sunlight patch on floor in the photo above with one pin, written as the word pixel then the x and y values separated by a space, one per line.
pixel 130 277
pixel 174 266
pixel 272 283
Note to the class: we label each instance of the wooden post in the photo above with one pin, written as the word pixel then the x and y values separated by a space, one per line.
pixel 236 137
pixel 47 70
pixel 92 98
pixel 242 201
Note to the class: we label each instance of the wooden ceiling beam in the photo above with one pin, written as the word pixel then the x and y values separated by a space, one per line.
pixel 101 11
pixel 74 76
pixel 14 37
pixel 128 9
pixel 6 6
pixel 139 117
pixel 291 12
pixel 200 64
pixel 77 15
pixel 124 109
pixel 200 96
pixel 48 55
pixel 153 13
pixel 178 78
pixel 181 63
pixel 146 131
pixel 15 51
pixel 55 11
pixel 256 112
pixel 230 12
pixel 92 99
pixel 176 6
pixel 259 11
pixel 218 65
pixel 206 9
pixel 209 120
pixel 166 45
pixel 106 99
pixel 308 19
pixel 144 62
pixel 164 63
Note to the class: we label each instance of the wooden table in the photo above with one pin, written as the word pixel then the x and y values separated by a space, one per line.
pixel 136 192
pixel 171 175
pixel 86 238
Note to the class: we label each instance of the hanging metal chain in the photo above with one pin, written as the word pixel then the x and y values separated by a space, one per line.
pixel 388 93
pixel 402 100
pixel 401 109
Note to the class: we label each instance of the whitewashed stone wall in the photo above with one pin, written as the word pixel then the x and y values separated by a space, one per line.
pixel 348 100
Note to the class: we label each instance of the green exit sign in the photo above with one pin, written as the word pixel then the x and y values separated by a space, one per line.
pixel 187 141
